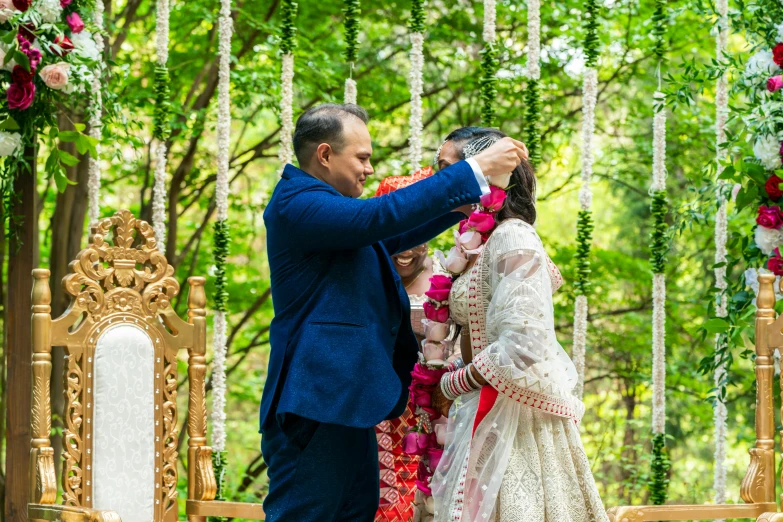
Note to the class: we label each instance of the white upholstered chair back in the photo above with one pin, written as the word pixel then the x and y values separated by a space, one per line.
pixel 121 338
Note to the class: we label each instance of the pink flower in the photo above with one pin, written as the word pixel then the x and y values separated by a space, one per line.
pixel 62 45
pixel 469 241
pixel 440 433
pixel 55 76
pixel 415 443
pixel 434 313
pixel 494 201
pixel 775 83
pixel 440 286
pixel 481 221
pixel 7 10
pixel 75 22
pixel 423 477
pixel 433 352
pixel 20 95
pixel 426 376
pixel 65 3
pixel 769 217
pixel 455 263
pixel 775 263
pixel 434 455
pixel 435 332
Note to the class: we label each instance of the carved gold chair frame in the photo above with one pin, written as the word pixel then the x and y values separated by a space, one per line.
pixel 758 486
pixel 124 279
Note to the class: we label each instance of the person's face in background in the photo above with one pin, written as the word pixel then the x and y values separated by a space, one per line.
pixel 411 262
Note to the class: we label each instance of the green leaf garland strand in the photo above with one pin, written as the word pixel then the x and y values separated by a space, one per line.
pixel 584 239
pixel 222 242
pixel 161 127
pixel 352 12
pixel 659 481
pixel 416 23
pixel 288 28
pixel 532 117
pixel 591 42
pixel 488 84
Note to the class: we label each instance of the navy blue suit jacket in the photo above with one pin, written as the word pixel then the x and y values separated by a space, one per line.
pixel 342 347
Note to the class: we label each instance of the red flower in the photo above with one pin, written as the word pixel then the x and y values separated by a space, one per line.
pixel 62 45
pixel 423 476
pixel 20 75
pixel 433 313
pixel 481 221
pixel 75 22
pixel 775 83
pixel 414 443
pixel 769 217
pixel 777 54
pixel 494 201
pixel 773 187
pixel 20 95
pixel 22 5
pixel 65 3
pixel 775 263
pixel 434 455
pixel 26 31
pixel 440 286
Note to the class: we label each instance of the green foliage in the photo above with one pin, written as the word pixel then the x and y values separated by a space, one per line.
pixel 591 42
pixel 659 20
pixel 220 250
pixel 351 13
pixel 418 15
pixel 659 244
pixel 288 27
pixel 488 84
pixel 660 466
pixel 219 465
pixel 161 128
pixel 584 238
pixel 532 117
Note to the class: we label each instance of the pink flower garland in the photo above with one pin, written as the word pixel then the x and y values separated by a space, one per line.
pixel 426 439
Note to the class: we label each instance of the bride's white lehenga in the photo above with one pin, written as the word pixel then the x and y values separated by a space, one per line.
pixel 513 451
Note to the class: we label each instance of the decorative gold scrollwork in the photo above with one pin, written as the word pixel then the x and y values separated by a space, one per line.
pixel 170 437
pixel 72 439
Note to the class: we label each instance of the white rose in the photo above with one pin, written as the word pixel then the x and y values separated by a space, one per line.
pixel 767 151
pixel 779 27
pixel 55 76
pixel 768 239
pixel 9 142
pixel 50 10
pixel 84 44
pixel 762 64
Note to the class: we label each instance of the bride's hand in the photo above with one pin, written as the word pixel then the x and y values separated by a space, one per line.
pixel 440 402
pixel 502 157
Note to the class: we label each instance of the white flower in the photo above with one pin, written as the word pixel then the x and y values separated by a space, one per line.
pixel 761 63
pixel 752 280
pixel 767 151
pixel 768 239
pixel 50 10
pixel 9 142
pixel 779 27
pixel 3 51
pixel 84 44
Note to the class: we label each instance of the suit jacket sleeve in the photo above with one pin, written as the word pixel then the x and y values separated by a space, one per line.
pixel 320 219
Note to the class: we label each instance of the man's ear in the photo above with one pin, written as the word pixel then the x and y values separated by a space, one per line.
pixel 323 154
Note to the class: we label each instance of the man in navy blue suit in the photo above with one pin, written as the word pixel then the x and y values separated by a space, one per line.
pixel 342 347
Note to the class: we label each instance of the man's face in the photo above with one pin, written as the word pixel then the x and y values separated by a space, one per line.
pixel 348 169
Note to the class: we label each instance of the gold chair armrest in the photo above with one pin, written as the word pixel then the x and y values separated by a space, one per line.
pixel 54 513
pixel 690 512
pixel 219 508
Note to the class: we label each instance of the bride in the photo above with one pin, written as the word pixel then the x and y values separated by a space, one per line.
pixel 513 451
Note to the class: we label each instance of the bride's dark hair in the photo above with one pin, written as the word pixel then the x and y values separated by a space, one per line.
pixel 521 201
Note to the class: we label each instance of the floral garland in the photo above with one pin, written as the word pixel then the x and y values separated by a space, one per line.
pixel 721 225
pixel 532 94
pixel 352 12
pixel 416 83
pixel 161 126
pixel 287 46
pixel 95 112
pixel 584 222
pixel 658 484
pixel 427 438
pixel 220 250
pixel 489 65
pixel 48 54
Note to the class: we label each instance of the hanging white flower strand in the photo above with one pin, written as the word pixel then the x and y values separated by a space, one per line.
pixel 221 202
pixel 161 128
pixel 96 122
pixel 416 84
pixel 659 278
pixel 721 224
pixel 287 44
pixel 585 220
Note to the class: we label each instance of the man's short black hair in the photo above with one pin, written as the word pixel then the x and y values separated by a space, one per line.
pixel 323 124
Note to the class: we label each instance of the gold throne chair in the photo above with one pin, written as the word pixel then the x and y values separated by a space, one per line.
pixel 758 487
pixel 121 337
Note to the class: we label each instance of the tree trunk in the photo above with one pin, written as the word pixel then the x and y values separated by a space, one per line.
pixel 68 227
pixel 22 258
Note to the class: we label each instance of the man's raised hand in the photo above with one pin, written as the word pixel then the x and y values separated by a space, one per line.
pixel 502 157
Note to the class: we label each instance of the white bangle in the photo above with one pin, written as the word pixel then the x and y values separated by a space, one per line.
pixel 473 382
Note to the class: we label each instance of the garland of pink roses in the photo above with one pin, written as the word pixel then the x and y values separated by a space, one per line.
pixel 426 439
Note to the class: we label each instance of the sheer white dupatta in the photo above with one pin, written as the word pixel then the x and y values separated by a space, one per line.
pixel 523 362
